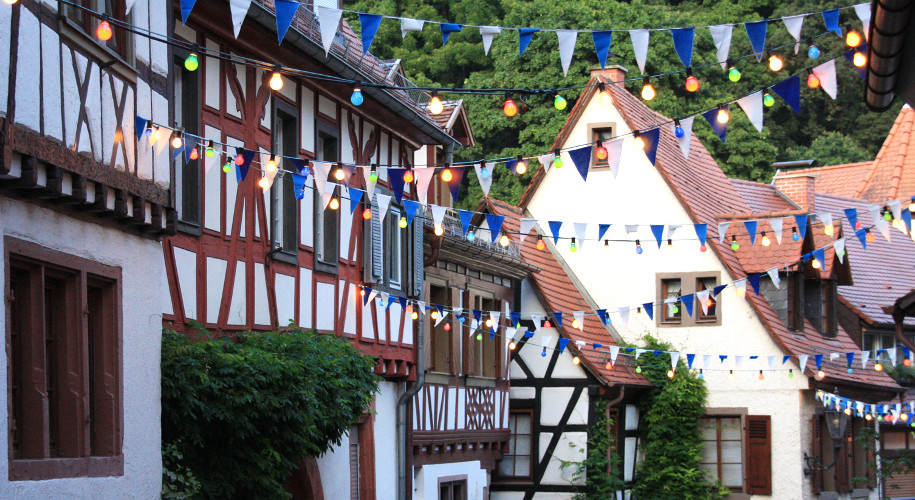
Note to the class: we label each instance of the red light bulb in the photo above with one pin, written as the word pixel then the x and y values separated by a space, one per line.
pixel 601 153
pixel 103 32
pixel 408 176
pixel 367 214
pixel 547 324
pixel 194 154
pixel 447 327
pixel 540 244
pixel 692 83
pixel 239 160
pixel 510 108
pixel 812 81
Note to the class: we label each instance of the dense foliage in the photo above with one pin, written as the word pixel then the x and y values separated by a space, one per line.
pixel 600 467
pixel 832 131
pixel 238 415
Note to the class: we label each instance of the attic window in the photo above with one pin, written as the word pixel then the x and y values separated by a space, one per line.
pixel 600 132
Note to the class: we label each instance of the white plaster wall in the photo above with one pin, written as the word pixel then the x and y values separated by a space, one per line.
pixel 386 439
pixel 143 276
pixel 425 479
pixel 335 470
pixel 639 195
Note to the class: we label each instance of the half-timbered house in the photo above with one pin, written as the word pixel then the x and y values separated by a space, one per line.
pixel 245 258
pixel 81 214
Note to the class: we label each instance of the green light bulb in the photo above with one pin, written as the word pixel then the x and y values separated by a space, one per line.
pixel 191 63
pixel 479 336
pixel 227 167
pixel 373 176
pixel 676 309
pixel 638 369
pixel 403 222
pixel 560 102
pixel 210 152
pixel 887 216
pixel 734 74
pixel 768 100
pixel 735 246
pixel 557 162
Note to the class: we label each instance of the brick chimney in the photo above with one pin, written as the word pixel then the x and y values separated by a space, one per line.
pixel 800 188
pixel 614 73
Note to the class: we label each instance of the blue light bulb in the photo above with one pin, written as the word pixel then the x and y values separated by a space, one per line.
pixel 679 132
pixel 484 172
pixel 813 52
pixel 356 98
pixel 148 132
pixel 471 236
pixel 543 352
pixel 638 250
pixel 795 237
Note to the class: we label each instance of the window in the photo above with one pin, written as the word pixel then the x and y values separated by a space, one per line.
pixel 853 467
pixel 517 461
pixel 818 305
pixel 120 42
pixel 874 342
pixel 452 490
pixel 440 339
pixel 599 134
pixel 481 355
pixel 736 450
pixel 186 106
pixel 395 255
pixel 64 348
pixel 283 206
pixel 327 220
pixel 679 285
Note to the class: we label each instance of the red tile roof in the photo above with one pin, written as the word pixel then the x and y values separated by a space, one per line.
pixel 840 180
pixel 763 197
pixel 559 294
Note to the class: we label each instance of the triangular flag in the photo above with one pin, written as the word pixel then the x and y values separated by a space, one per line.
pixel 789 89
pixel 706 360
pixel 650 137
pixel 554 229
pixel 465 216
pixel 820 255
pixel 409 208
pixel 537 319
pixel 757 34
pixel 355 196
pixel 581 157
pixel 701 233
pixel 239 9
pixel 801 221
pixel 865 355
pixel 448 29
pixel 495 225
pixel 740 286
pixel 395 179
pixel 329 19
pixel 581 229
pixel 602 314
pixel 320 170
pixel 839 247
pixel 438 214
pixel 777 229
pixel 186 7
pixel 546 160
pixel 526 226
pixel 688 303
pixel 683 44
pixel 454 185
pixel 639 352
pixel 686 124
pixel 720 128
pixel 488 33
pixel 649 310
pixel 369 184
pixel 718 289
pixel 602 230
pixel 751 230
pixel 721 35
pixel 785 358
pixel 614 353
pixel 825 218
pixel 329 189
pixel 702 297
pixel 689 360
pixel 602 45
pixel 754 280
pixel 563 342
pixel 773 275
pixel 369 24
pixel 407 25
pixel 771 362
pixel 640 46
pixel 738 361
pixel 826 72
pixel 850 357
pixel 247 156
pixel 524 38
pixel 658 231
pixel 298 184
pixel 674 357
pixel 794 24
pixel 422 177
pixel 862 237
pixel 614 154
pixel 722 230
pixel 140 125
pixel 863 11
pixel 752 106
pixel 567 40
pixel 624 315
pixel 558 317
pixel 802 361
pixel 579 316
pixel 831 19
pixel 384 202
pixel 285 11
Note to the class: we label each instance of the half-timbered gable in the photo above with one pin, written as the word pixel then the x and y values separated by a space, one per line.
pixel 81 212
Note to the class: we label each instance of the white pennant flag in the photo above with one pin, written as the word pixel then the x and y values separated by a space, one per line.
pixel 863 10
pixel 329 19
pixel 208 161
pixel 422 177
pixel 879 222
pixel 640 46
pixel 239 10
pixel 752 105
pixel 722 230
pixel 702 297
pixel 320 169
pixel 639 352
pixel 546 161
pixel 687 125
pixel 671 229
pixel 526 226
pixel 537 319
pixel 580 344
pixel 721 35
pixel 794 24
pixel 825 218
pixel 772 362
pixel 777 229
pixel 624 315
pixel 581 228
pixel 773 275
pixel 438 214
pixel 839 247
pixel 896 209
pixel 372 295
pixel 128 5
pixel 441 317
pixel 567 40
pixel 826 72
pixel 485 182
pixel 738 361
pixel 384 299
pixel 163 135
pixel 384 201
pixel 892 354
pixel 674 357
pixel 579 316
pixel 740 286
pixel 328 193
pixel 488 33
pixel 495 316
pixel 271 174
pixel 547 339
pixel 614 154
pixel 614 352
pixel 802 361
pixel 706 360
pixel 833 355
pixel 408 25
pixel 865 355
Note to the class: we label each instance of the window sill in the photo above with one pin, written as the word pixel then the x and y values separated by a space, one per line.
pixel 439 378
pixel 189 228
pixel 58 468
pixel 69 31
pixel 284 256
pixel 477 381
pixel 323 267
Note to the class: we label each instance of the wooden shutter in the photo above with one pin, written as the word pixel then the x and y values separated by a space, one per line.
pixel 759 455
pixel 418 259
pixel 817 451
pixel 373 260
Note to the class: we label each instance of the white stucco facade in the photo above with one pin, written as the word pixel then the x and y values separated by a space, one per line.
pixel 426 479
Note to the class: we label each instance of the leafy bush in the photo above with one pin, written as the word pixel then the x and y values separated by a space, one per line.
pixel 241 414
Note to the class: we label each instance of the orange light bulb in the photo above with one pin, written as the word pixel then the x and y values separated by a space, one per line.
pixel 447 175
pixel 692 84
pixel 367 213
pixel 813 81
pixel 853 39
pixel 601 153
pixel 103 32
pixel 408 176
pixel 510 108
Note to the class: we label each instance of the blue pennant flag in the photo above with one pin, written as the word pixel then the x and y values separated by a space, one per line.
pixel 395 178
pixel 850 356
pixel 757 34
pixel 722 357
pixel 495 225
pixel 751 230
pixel 601 230
pixel 366 295
pixel 176 153
pixel 511 164
pixel 441 309
pixel 658 231
pixel 907 218
pixel 554 228
pixel 754 280
pixel 789 89
pixel 718 289
pixel 477 315
pixel 515 318
pixel 298 184
pixel 186 7
pixel 285 11
pixel 819 360
pixel 409 208
pixel 369 24
pixel 688 304
pixel 862 237
pixel 831 19
pixel 355 196
pixel 689 360
pixel 390 303
pixel 558 316
pixel 242 171
pixel 447 30
pixel 602 45
pixel 711 116
pixel 651 143
pixel 850 57
pixel 403 302
pixel 562 344
pixel 581 157
pixel 852 215
pixel 820 255
pixel 683 43
pixel 299 164
pixel 649 309
pixel 454 185
pixel 140 124
pixel 785 358
pixel 528 334
pixel 524 39
pixel 801 221
pixel 602 314
pixel 492 333
pixel 595 346
pixel 465 219
pixel 701 232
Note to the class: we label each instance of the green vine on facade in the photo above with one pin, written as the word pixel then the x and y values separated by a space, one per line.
pixel 599 469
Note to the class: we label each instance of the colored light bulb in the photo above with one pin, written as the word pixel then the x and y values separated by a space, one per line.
pixel 540 244
pixel 521 167
pixel 557 162
pixel 339 174
pixel 435 104
pixel 703 248
pixel 357 98
pixel 813 52
pixel 543 353
pixel 576 324
pixel 414 316
pixel 176 141
pixel 608 365
pixel 776 63
pixel 334 203
pixel 813 81
pixel 765 240
pixel 604 96
pixel 511 346
pixel 761 376
pixel 852 39
pixel 820 374
pixel 367 213
pixel 790 373
pixel 10 2
pixel 210 152
pixel 670 374
pixel 547 324
pixel 638 142
pixel 638 247
pixel 701 375
pixel 560 102
pixel 402 223
pixel 276 81
pixel 878 366
pixel 479 336
pixel 439 230
pixel 271 166
pixel 191 63
pixel 723 116
pixel 678 130
pixel 504 241
pixel 859 59
pixel 373 174
pixel 408 176
pixel 601 153
pixel 471 236
pixel 510 108
pixel 264 183
pixel 447 327
pixel 795 236
pixel 239 160
pixel 734 245
pixel 692 84
pixel 768 100
pixel 648 91
pixel 227 167
pixel 638 368
pixel 194 154
pixel 869 237
pixel 573 247
pixel 734 74
pixel 103 32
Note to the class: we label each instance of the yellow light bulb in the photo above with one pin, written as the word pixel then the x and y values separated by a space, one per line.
pixel 10 2
pixel 434 315
pixel 766 241
pixel 821 374
pixel 511 346
pixel 859 59
pixel 271 166
pixel 741 291
pixel 439 230
pixel 435 105
pixel 639 143
pixel 447 175
pixel 576 324
pixel 670 374
pixel 853 39
pixel 648 92
pixel 334 203
pixel 723 116
pixel 339 174
pixel 816 264
pixel 776 63
pixel 276 81
pixel 263 183
pixel 503 240
pixel 827 230
pixel 177 142
pixel 605 99
pixel 521 167
pixel 489 322
pixel 415 315
pixel 576 360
